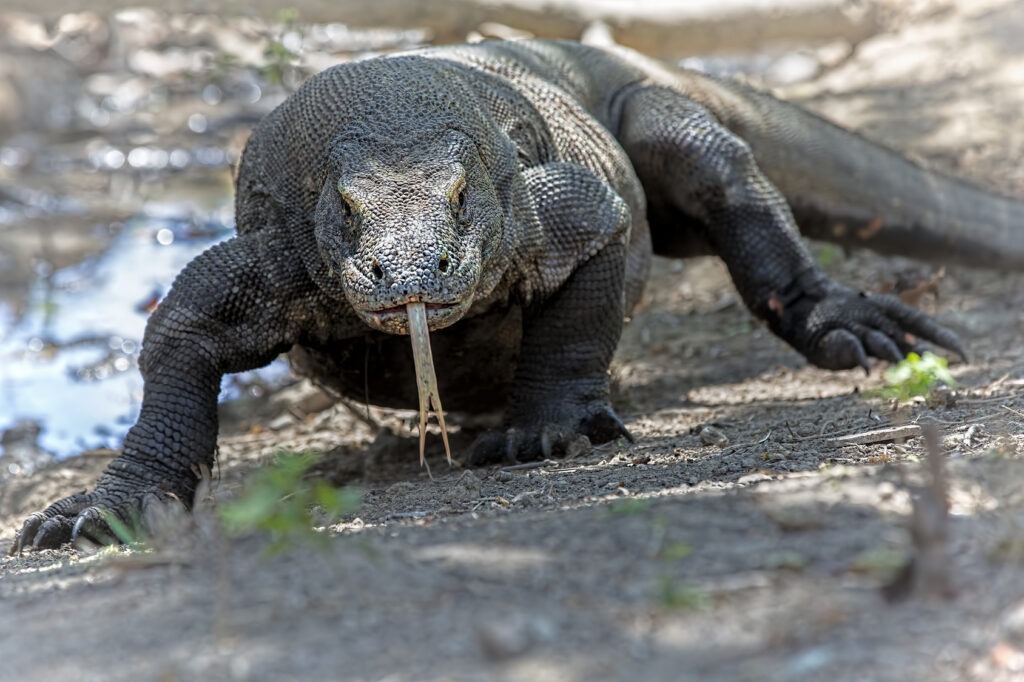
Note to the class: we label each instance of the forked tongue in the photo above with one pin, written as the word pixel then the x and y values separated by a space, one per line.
pixel 426 380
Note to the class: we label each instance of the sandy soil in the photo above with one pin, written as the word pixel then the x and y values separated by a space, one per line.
pixel 756 550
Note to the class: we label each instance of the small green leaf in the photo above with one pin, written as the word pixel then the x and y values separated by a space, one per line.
pixel 828 254
pixel 278 500
pixel 630 506
pixel 674 551
pixel 125 533
pixel 916 375
pixel 673 595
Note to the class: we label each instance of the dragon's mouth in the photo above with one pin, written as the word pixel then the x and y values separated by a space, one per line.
pixel 395 319
pixel 402 309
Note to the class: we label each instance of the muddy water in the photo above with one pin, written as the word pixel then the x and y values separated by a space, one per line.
pixel 97 215
pixel 70 338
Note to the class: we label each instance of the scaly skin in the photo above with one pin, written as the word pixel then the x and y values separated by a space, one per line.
pixel 517 190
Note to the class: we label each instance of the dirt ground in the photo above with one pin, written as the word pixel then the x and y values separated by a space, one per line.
pixel 755 550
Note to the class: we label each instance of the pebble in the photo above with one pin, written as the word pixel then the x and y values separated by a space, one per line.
pixel 514 635
pixel 709 435
pixel 1013 623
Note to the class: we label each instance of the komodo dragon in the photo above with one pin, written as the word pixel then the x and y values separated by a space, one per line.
pixel 512 193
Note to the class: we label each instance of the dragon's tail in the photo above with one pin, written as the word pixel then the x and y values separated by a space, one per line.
pixel 845 189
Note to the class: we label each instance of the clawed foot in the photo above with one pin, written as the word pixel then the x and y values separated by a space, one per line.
pixel 97 517
pixel 544 439
pixel 839 328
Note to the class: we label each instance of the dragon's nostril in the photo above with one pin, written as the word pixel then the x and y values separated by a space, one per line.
pixel 444 264
pixel 378 272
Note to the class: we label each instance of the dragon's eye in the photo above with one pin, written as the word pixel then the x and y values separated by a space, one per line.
pixel 346 204
pixel 460 198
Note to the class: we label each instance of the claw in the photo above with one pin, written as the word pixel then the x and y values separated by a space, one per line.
pixel 426 380
pixel 28 532
pixel 881 346
pixel 606 426
pixel 547 442
pixel 841 349
pixel 81 531
pixel 920 325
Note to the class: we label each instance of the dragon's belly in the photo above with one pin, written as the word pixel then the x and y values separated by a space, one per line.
pixel 475 361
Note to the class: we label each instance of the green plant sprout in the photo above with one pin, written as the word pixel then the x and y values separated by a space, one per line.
pixel 278 500
pixel 676 596
pixel 125 533
pixel 279 59
pixel 916 375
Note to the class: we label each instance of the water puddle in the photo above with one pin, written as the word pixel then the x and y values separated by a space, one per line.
pixel 69 362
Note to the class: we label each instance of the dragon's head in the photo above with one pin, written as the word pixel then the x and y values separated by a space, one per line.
pixel 413 221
